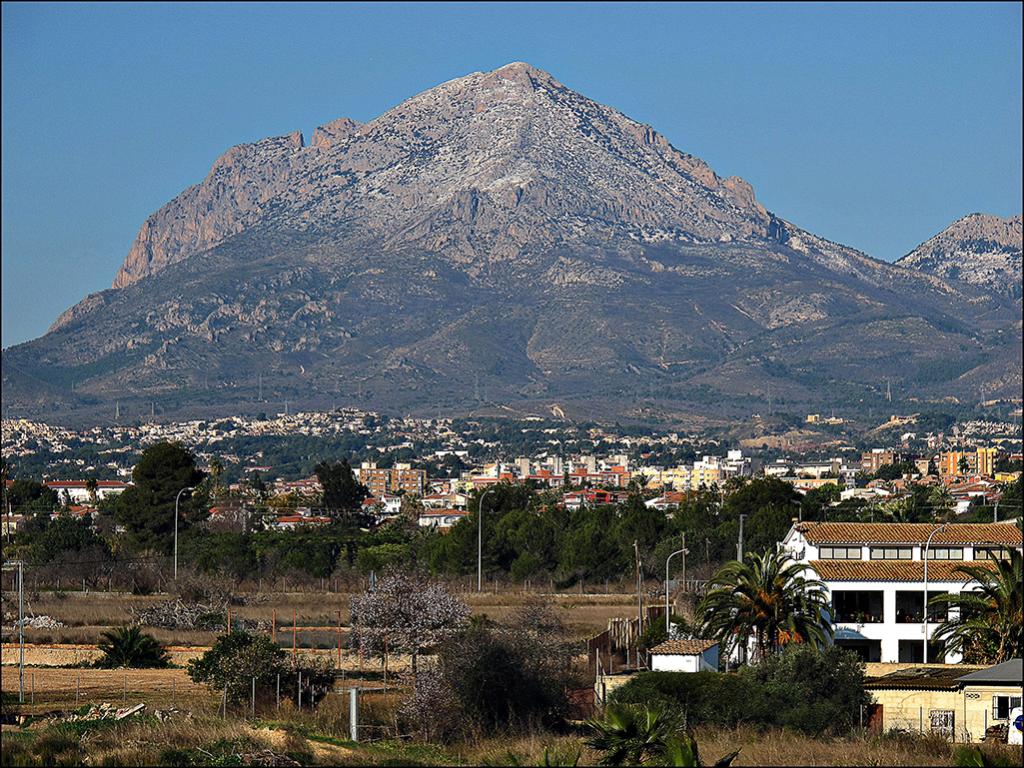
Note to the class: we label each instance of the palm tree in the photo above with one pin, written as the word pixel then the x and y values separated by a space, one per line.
pixel 91 485
pixel 769 599
pixel 128 647
pixel 988 628
pixel 942 502
pixel 631 735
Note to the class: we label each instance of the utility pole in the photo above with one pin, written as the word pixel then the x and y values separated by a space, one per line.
pixel 639 587
pixel 176 500
pixel 684 559
pixel 480 539
pixel 924 626
pixel 10 565
pixel 739 543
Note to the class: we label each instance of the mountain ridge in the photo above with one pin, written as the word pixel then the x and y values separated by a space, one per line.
pixel 501 241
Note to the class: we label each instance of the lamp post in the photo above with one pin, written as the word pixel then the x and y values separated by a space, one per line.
pixel 927 545
pixel 739 544
pixel 668 625
pixel 176 500
pixel 480 540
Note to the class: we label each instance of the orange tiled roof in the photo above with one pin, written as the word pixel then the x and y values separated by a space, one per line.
pixel 910 533
pixel 893 570
pixel 683 647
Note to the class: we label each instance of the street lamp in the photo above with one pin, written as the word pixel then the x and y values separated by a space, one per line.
pixel 480 540
pixel 668 626
pixel 739 543
pixel 927 545
pixel 176 499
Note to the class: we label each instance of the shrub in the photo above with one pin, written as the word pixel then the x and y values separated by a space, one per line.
pixel 701 698
pixel 238 657
pixel 814 691
pixel 129 647
pixel 234 660
pixel 513 676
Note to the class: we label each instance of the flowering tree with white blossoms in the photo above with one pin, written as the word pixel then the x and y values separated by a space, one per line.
pixel 406 612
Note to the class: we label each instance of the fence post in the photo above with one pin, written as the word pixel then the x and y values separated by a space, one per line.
pixel 920 719
pixel 224 704
pixel 299 686
pixel 254 697
pixel 32 691
pixel 353 713
pixel 278 691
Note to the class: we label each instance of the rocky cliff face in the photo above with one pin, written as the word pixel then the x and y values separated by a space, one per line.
pixel 979 249
pixel 491 162
pixel 502 242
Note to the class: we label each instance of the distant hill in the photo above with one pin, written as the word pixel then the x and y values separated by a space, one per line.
pixel 501 243
pixel 978 249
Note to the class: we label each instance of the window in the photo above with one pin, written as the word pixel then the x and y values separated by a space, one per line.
pixel 892 553
pixel 857 607
pixel 839 553
pixel 1003 705
pixel 946 553
pixel 910 607
pixel 991 553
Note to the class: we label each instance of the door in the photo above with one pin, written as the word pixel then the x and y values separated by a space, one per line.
pixel 942 722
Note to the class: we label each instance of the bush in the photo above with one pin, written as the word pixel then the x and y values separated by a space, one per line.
pixel 234 660
pixel 510 677
pixel 814 691
pixel 129 647
pixel 702 698
pixel 237 658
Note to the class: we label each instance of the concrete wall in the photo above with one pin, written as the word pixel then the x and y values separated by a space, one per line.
pixel 911 710
pixel 674 662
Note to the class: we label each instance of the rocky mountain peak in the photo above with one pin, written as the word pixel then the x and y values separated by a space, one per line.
pixel 979 249
pixel 501 242
pixel 491 163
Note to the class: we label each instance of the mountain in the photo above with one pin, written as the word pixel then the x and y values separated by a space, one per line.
pixel 979 249
pixel 500 243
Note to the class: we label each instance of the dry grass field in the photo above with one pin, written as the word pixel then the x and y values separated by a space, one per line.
pixel 87 614
pixel 59 683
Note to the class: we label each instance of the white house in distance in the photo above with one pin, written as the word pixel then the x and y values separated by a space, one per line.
pixel 442 519
pixel 874 573
pixel 685 656
pixel 78 490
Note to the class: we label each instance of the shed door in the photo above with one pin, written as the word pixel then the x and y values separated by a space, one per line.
pixel 942 722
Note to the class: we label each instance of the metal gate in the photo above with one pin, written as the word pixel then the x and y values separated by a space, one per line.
pixel 942 722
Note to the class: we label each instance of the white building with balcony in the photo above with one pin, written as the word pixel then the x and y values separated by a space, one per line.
pixel 874 573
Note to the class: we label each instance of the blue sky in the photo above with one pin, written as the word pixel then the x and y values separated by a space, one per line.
pixel 872 125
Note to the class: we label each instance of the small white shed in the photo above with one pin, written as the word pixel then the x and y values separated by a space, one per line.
pixel 685 656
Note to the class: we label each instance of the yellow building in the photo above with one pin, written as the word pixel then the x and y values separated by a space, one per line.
pixel 986 461
pixel 959 701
